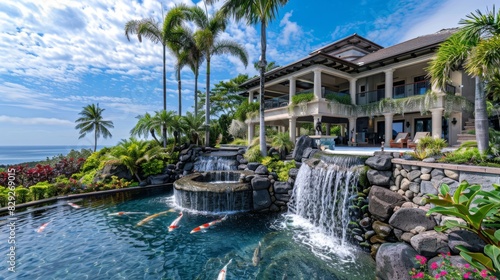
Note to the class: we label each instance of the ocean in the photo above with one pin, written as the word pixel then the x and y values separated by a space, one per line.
pixel 18 154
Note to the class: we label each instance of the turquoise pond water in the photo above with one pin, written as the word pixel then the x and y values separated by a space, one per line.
pixel 87 243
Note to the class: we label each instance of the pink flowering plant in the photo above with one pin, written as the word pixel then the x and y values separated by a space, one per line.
pixel 480 210
pixel 446 270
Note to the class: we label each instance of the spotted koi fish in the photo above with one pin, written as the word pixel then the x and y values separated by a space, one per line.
pixel 149 218
pixel 175 223
pixel 223 271
pixel 207 225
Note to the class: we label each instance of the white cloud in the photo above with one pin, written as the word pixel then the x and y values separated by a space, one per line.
pixel 290 30
pixel 35 121
pixel 446 16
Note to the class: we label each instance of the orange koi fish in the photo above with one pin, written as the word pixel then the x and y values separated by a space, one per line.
pixel 222 273
pixel 175 223
pixel 207 225
pixel 74 205
pixel 43 226
pixel 126 213
pixel 149 218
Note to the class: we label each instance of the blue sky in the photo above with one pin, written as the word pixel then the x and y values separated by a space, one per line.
pixel 59 56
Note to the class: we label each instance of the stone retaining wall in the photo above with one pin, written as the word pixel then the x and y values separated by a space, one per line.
pixel 399 228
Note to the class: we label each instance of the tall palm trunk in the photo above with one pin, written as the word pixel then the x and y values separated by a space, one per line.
pixel 262 127
pixel 207 105
pixel 196 92
pixel 95 138
pixel 179 88
pixel 481 118
pixel 164 127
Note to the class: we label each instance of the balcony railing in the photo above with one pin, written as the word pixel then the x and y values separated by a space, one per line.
pixel 276 102
pixel 399 91
pixel 367 97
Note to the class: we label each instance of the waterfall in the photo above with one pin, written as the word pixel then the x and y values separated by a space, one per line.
pixel 321 194
pixel 210 163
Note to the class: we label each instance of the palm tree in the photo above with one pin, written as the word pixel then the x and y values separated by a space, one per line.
pixel 144 127
pixel 256 11
pixel 475 46
pixel 91 120
pixel 206 38
pixel 157 33
pixel 161 120
pixel 192 125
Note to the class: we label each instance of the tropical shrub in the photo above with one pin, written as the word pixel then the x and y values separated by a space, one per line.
pixel 428 146
pixel 152 167
pixel 280 167
pixel 238 141
pixel 245 109
pixel 302 98
pixel 281 142
pixel 479 209
pixel 38 191
pixel 22 194
pixel 446 270
pixel 132 153
pixel 253 154
pixel 340 98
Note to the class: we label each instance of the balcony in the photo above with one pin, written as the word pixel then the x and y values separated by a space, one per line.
pixel 368 97
pixel 276 102
pixel 418 88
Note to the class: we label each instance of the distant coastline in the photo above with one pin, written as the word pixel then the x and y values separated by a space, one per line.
pixel 11 155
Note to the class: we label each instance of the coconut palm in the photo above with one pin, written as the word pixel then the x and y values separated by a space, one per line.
pixel 158 33
pixel 475 46
pixel 144 127
pixel 91 121
pixel 256 11
pixel 206 38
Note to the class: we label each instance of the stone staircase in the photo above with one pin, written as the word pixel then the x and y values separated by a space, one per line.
pixel 465 136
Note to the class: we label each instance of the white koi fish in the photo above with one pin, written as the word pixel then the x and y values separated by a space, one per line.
pixel 223 271
pixel 127 213
pixel 207 225
pixel 175 223
pixel 256 256
pixel 74 205
pixel 149 218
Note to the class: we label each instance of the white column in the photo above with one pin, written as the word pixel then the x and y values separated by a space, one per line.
pixel 388 128
pixel 388 82
pixel 251 132
pixel 250 96
pixel 352 90
pixel 293 88
pixel 352 130
pixel 317 84
pixel 437 122
pixel 292 129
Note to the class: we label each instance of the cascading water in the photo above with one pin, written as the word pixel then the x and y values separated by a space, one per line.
pixel 210 163
pixel 321 194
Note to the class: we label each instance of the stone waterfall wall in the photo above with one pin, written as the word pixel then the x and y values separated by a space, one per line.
pixel 398 228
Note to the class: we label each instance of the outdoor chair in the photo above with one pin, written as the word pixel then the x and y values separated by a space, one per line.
pixel 400 141
pixel 413 143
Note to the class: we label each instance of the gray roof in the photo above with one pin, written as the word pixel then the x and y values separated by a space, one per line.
pixel 412 45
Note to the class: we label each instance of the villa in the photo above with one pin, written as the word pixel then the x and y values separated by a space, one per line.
pixel 367 90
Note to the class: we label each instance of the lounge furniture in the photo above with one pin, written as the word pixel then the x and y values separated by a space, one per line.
pixel 413 143
pixel 400 140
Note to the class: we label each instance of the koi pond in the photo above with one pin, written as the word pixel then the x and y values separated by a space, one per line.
pixel 94 241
